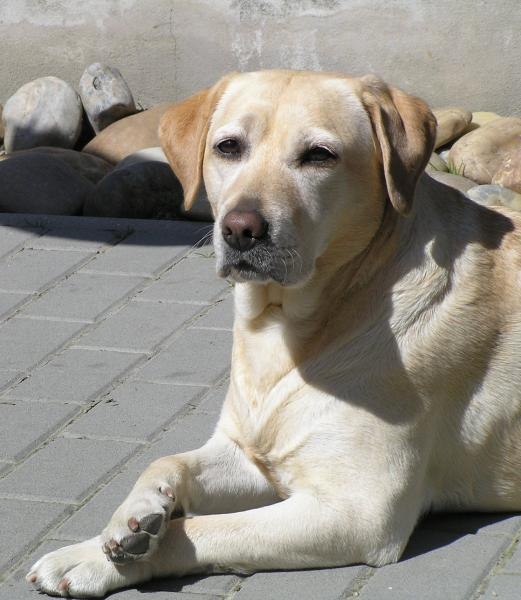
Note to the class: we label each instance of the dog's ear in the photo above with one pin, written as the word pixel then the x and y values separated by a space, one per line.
pixel 405 129
pixel 182 134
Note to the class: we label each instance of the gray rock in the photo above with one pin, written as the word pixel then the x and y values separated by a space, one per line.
pixel 143 185
pixel 436 163
pixel 495 195
pixel 105 95
pixel 139 187
pixel 452 122
pixel 457 182
pixel 44 112
pixel 89 166
pixel 444 155
pixel 42 184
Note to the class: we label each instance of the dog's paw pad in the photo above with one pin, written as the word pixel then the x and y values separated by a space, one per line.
pixel 151 523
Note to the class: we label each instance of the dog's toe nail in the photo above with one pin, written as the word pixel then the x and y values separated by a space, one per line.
pixel 135 544
pixel 133 524
pixel 31 578
pixel 151 523
pixel 64 584
pixel 167 491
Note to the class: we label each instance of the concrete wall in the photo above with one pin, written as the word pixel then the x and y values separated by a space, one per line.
pixel 465 52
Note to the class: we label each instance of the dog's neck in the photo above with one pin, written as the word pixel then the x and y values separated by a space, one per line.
pixel 293 323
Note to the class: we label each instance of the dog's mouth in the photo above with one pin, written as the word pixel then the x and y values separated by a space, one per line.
pixel 261 264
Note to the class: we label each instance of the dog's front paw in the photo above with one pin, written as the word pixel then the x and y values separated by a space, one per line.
pixel 82 571
pixel 136 527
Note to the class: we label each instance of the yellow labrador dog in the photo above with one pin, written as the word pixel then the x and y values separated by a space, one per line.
pixel 376 370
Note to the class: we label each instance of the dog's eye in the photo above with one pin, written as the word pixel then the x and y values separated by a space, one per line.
pixel 229 147
pixel 318 154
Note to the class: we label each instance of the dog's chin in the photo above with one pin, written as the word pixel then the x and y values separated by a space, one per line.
pixel 244 271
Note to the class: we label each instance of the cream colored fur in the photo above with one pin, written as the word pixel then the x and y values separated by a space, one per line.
pixel 378 379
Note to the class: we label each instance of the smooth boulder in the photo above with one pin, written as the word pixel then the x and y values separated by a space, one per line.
pixel 479 154
pixel 143 186
pixel 436 163
pixel 105 95
pixel 44 112
pixel 457 182
pixel 508 173
pixel 128 135
pixel 495 195
pixel 88 166
pixel 452 122
pixel 42 184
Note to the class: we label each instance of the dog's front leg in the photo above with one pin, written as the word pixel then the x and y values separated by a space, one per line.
pixel 300 532
pixel 215 478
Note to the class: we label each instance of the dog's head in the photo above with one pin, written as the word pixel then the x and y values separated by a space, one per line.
pixel 295 162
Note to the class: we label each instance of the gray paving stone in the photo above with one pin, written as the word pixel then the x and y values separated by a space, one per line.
pixel 144 253
pixel 13 237
pixel 30 270
pixel 493 523
pixel 22 524
pixel 74 375
pixel 437 566
pixel 197 356
pixel 30 340
pixel 58 239
pixel 15 587
pixel 90 519
pixel 210 586
pixel 326 584
pixel 23 425
pixel 503 587
pixel 154 591
pixel 513 564
pixel 139 325
pixel 136 409
pixel 10 301
pixel 191 432
pixel 191 279
pixel 213 401
pixel 219 316
pixel 83 296
pixel 7 377
pixel 66 469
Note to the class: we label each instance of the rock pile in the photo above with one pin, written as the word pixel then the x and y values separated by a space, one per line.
pixel 92 153
pixel 95 153
pixel 480 155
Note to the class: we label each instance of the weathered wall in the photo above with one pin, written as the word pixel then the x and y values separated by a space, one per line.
pixel 449 52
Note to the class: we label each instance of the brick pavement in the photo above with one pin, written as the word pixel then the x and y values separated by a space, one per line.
pixel 115 340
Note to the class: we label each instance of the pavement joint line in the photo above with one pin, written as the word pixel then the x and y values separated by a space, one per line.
pixel 141 351
pixel 59 319
pixel 173 383
pixel 35 498
pixel 116 273
pixel 353 590
pixel 505 551
pixel 100 438
pixel 208 328
pixel 162 301
pixel 5 400
pixel 21 246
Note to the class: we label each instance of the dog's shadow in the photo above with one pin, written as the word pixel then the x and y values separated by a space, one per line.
pixel 433 533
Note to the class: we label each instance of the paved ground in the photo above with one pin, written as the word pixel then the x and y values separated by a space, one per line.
pixel 114 342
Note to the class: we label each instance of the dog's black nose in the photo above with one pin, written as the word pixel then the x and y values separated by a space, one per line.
pixel 242 229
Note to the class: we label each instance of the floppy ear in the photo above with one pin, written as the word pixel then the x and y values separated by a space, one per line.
pixel 405 129
pixel 182 134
